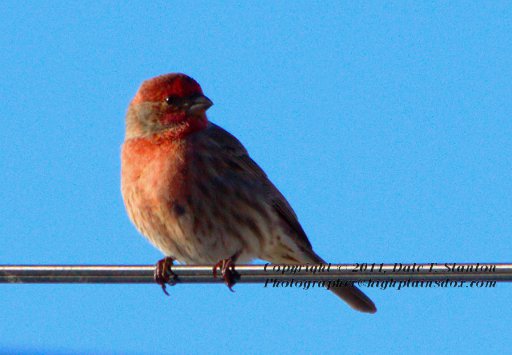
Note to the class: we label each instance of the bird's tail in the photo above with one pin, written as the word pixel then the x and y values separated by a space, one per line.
pixel 350 294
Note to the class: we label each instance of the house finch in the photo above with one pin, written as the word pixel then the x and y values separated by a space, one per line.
pixel 191 188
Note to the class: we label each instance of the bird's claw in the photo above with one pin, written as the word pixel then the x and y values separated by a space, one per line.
pixel 227 268
pixel 163 274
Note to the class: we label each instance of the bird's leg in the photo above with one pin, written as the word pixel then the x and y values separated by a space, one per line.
pixel 163 273
pixel 227 268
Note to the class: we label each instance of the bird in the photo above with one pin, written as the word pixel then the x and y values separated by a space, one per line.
pixel 193 191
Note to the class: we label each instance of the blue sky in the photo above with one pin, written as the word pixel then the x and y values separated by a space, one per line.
pixel 386 125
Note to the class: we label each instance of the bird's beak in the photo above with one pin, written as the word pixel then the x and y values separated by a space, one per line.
pixel 198 104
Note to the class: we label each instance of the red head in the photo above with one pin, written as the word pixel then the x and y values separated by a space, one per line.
pixel 171 102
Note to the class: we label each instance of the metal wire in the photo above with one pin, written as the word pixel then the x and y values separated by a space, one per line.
pixel 137 274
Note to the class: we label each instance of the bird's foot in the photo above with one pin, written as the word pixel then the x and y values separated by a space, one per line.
pixel 227 268
pixel 163 273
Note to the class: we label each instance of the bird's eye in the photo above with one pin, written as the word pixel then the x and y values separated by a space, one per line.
pixel 172 100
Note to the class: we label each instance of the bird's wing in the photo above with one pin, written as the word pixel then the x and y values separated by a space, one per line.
pixel 231 146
